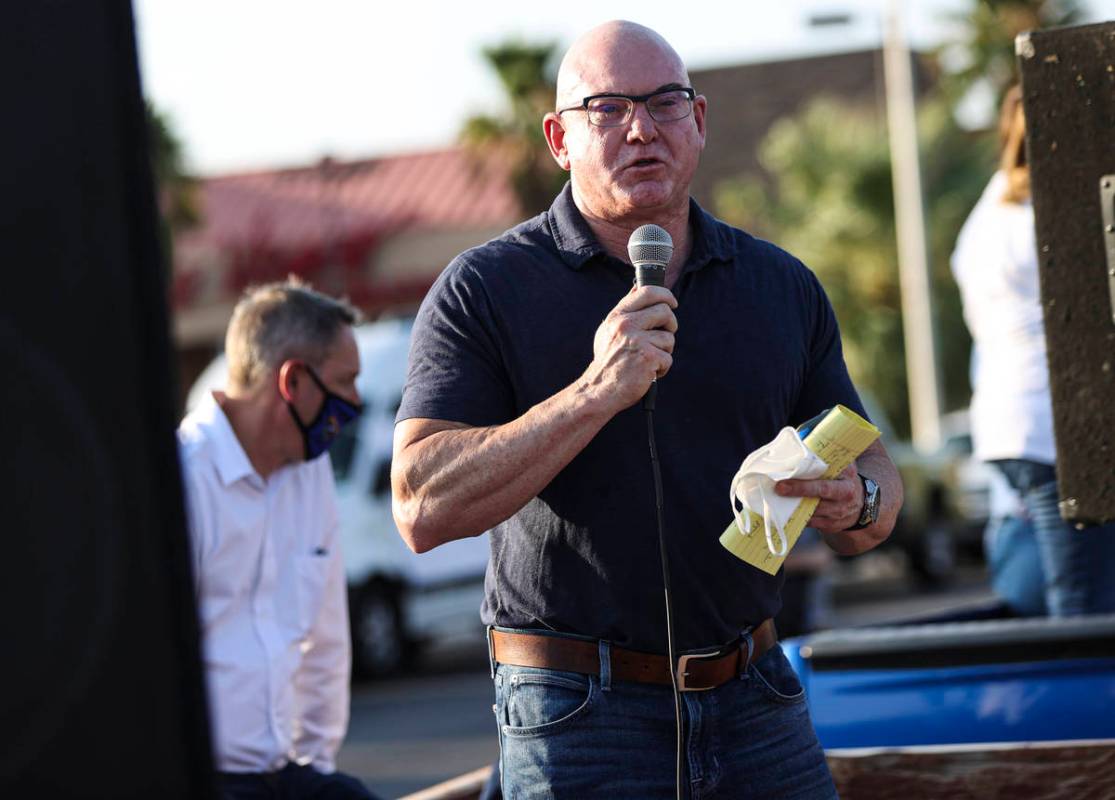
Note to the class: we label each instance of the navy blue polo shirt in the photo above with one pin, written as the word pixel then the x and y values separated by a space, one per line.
pixel 510 323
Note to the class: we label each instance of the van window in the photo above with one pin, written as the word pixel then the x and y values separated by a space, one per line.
pixel 343 449
pixel 381 480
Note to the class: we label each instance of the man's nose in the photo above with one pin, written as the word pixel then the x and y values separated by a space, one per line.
pixel 642 127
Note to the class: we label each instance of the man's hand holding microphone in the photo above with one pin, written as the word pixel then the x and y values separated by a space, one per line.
pixel 634 344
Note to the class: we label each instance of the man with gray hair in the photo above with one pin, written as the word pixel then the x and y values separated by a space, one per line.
pixel 266 555
pixel 521 415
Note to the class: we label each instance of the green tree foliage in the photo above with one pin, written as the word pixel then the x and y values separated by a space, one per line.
pixel 829 201
pixel 985 46
pixel 524 71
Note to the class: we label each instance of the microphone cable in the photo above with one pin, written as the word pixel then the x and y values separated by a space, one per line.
pixel 648 405
pixel 650 249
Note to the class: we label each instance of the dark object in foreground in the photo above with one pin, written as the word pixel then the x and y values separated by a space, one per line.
pixel 104 690
pixel 1070 125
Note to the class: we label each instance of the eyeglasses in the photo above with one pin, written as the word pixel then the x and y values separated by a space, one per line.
pixel 613 110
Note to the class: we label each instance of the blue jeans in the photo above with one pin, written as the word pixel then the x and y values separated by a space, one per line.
pixel 1079 566
pixel 1012 554
pixel 568 735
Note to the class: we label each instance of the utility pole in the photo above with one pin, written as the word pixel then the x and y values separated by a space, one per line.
pixel 922 372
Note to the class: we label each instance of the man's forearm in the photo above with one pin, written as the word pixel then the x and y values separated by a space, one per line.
pixel 459 482
pixel 877 465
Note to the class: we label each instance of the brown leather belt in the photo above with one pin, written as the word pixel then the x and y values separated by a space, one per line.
pixel 696 671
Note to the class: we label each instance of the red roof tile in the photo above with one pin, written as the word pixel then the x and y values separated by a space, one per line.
pixel 334 201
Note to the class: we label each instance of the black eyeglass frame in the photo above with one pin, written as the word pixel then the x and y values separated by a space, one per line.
pixel 634 98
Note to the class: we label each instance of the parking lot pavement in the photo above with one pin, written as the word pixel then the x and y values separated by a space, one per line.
pixel 411 732
pixel 889 593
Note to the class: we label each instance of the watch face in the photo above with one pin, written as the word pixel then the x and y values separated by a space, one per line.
pixel 870 500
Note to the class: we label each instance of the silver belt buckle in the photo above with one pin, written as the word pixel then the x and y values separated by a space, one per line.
pixel 683 673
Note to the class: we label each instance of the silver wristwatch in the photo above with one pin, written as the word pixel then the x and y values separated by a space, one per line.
pixel 871 497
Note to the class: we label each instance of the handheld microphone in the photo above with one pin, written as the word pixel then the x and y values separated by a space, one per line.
pixel 649 249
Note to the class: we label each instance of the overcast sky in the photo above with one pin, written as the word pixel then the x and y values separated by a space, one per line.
pixel 264 83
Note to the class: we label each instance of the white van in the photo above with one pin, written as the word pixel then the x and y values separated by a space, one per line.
pixel 398 601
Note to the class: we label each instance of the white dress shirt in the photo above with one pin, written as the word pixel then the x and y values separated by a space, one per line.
pixel 271 600
pixel 996 266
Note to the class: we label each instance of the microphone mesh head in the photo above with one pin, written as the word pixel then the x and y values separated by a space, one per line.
pixel 650 244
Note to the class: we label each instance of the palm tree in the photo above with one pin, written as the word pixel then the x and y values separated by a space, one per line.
pixel 176 190
pixel 525 72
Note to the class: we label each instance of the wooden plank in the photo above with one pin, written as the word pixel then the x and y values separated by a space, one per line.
pixel 463 787
pixel 1036 771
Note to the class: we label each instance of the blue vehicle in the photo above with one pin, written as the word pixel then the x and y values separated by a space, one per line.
pixel 960 680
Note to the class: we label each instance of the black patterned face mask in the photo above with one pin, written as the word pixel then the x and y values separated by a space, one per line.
pixel 335 413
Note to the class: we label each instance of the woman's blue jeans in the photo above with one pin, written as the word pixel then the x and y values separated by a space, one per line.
pixel 1079 566
pixel 568 735
pixel 1013 558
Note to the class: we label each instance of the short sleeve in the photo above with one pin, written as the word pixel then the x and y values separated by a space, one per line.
pixel 827 382
pixel 456 369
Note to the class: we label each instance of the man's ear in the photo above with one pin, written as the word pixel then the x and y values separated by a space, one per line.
pixel 288 379
pixel 700 109
pixel 554 131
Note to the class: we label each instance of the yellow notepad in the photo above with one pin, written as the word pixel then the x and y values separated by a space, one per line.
pixel 838 440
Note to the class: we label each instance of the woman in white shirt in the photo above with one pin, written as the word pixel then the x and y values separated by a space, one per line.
pixel 995 263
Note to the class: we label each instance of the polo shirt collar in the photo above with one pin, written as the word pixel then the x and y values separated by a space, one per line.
pixel 229 458
pixel 712 239
pixel 577 244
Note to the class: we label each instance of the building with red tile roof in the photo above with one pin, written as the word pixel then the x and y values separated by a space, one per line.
pixel 377 231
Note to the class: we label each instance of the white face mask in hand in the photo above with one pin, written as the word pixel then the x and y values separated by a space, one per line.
pixel 753 486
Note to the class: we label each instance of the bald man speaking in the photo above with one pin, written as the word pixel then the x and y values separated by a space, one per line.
pixel 522 415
